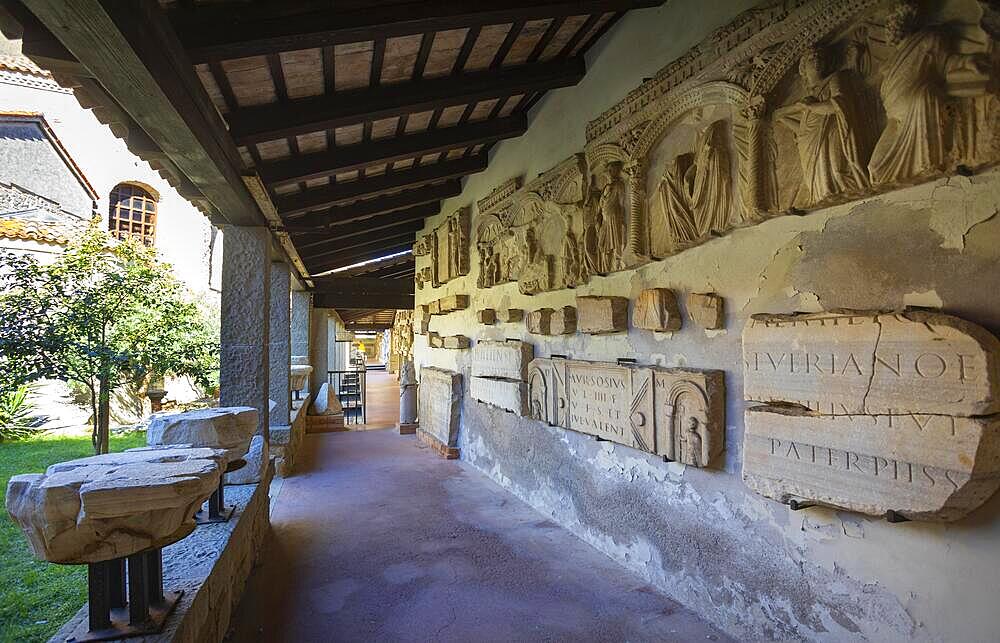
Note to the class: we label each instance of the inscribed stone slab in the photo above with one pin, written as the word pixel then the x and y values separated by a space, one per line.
pixel 598 315
pixel 440 397
pixel 673 412
pixel 921 466
pixel 510 395
pixel 843 363
pixel 508 360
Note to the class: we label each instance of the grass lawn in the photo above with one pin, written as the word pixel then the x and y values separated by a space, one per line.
pixel 36 597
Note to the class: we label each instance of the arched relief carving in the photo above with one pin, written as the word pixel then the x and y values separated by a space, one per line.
pixel 793 106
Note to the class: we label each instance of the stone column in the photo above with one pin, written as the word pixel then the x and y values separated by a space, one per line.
pixel 301 310
pixel 280 353
pixel 319 336
pixel 246 276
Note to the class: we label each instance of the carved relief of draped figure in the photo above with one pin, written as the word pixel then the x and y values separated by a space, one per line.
pixel 612 209
pixel 712 192
pixel 827 124
pixel 673 212
pixel 914 92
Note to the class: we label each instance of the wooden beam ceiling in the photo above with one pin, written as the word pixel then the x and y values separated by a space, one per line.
pixel 339 285
pixel 353 157
pixel 217 33
pixel 351 258
pixel 380 238
pixel 303 116
pixel 359 210
pixel 382 225
pixel 382 302
pixel 382 183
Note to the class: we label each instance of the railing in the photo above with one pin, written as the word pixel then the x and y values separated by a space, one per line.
pixel 352 391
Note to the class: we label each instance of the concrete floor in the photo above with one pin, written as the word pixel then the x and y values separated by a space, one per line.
pixel 380 539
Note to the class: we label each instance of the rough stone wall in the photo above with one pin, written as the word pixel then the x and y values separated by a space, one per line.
pixel 746 563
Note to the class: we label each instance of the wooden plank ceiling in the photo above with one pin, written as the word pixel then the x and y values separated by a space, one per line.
pixel 360 116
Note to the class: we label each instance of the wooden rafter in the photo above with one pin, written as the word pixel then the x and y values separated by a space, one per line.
pixel 379 238
pixel 289 118
pixel 351 258
pixel 218 33
pixel 361 155
pixel 382 224
pixel 405 179
pixel 320 198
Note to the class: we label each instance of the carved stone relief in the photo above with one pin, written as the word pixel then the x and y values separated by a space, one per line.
pixel 883 413
pixel 656 309
pixel 486 316
pixel 448 304
pixel 448 247
pixel 675 413
pixel 791 107
pixel 548 321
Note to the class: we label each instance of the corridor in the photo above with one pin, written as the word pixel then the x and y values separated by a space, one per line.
pixel 379 539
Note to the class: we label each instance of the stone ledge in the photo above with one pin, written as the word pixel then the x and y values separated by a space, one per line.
pixel 212 566
pixel 286 441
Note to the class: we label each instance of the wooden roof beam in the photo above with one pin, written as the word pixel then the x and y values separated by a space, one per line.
pixel 342 214
pixel 355 157
pixel 371 285
pixel 368 302
pixel 348 191
pixel 302 116
pixel 336 245
pixel 383 223
pixel 219 33
pixel 351 258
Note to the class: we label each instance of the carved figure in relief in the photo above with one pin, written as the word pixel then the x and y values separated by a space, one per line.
pixel 915 90
pixel 612 212
pixel 674 214
pixel 712 191
pixel 573 268
pixel 687 409
pixel 827 124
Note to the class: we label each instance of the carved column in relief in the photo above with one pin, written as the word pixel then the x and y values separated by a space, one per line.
pixel 637 237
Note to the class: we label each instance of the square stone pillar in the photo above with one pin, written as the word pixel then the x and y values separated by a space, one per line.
pixel 319 343
pixel 280 353
pixel 246 291
pixel 301 310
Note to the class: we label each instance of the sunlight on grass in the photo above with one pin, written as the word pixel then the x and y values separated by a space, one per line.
pixel 36 597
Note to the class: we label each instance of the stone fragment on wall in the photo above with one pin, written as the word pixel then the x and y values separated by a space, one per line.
pixel 509 395
pixel 656 309
pixel 510 315
pixel 539 322
pixel 857 362
pixel 455 342
pixel 434 340
pixel 486 316
pixel 434 308
pixel 600 315
pixel 452 303
pixel 440 393
pixel 676 413
pixel 888 414
pixel 707 310
pixel 563 321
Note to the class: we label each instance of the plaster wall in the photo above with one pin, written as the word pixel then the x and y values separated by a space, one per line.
pixel 746 563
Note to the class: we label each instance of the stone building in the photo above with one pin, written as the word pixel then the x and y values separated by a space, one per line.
pixel 708 286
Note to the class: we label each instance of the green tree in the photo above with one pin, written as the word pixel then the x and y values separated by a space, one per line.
pixel 103 314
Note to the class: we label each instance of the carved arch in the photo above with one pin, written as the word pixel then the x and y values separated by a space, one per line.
pixel 674 395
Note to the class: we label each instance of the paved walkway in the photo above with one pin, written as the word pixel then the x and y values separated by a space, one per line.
pixel 379 539
pixel 382 401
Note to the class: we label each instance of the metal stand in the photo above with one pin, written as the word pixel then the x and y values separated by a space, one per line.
pixel 114 613
pixel 217 509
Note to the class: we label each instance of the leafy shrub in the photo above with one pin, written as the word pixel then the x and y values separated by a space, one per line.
pixel 16 414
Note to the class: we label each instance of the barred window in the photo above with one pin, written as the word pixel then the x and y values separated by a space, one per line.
pixel 132 213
